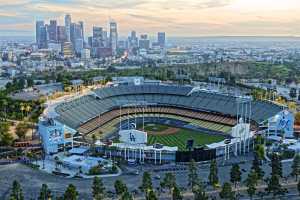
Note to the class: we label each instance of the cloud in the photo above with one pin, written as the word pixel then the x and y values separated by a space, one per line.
pixel 13 2
pixel 178 17
pixel 110 4
pixel 156 19
pixel 200 4
pixel 213 3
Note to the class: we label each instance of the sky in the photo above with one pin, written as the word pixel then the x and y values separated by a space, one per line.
pixel 185 18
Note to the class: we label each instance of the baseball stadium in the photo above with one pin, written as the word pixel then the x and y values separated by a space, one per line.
pixel 100 113
pixel 178 118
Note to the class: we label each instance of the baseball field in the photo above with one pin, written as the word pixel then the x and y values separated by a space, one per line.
pixel 173 136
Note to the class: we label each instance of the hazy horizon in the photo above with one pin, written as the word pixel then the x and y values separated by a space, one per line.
pixel 178 18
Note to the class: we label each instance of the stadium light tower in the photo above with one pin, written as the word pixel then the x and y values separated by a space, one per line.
pixel 243 116
pixel 134 104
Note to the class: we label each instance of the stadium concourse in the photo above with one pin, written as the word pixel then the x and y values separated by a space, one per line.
pixel 106 111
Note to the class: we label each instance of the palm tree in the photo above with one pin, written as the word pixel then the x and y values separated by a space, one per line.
pixel 27 109
pixel 4 103
pixel 22 108
pixel 80 170
pixel 56 158
pixel 29 155
pixel 94 140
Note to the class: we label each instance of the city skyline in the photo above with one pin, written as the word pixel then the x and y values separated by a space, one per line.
pixel 177 18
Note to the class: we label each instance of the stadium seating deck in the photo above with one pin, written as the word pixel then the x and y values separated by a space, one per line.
pixel 89 112
pixel 113 125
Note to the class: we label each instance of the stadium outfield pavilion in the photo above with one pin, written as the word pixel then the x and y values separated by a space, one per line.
pixel 104 112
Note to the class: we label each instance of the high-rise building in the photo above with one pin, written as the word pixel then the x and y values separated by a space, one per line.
pixel 52 31
pixel 161 39
pixel 97 37
pixel 38 25
pixel 76 37
pixel 44 38
pixel 97 42
pixel 144 42
pixel 132 40
pixel 113 37
pixel 90 41
pixel 61 34
pixel 68 22
pixel 78 46
pixel 85 54
pixel 39 33
pixel 133 34
pixel 67 49
pixel 122 44
pixel 82 28
pixel 106 41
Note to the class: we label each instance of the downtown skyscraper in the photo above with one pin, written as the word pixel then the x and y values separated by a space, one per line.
pixel 68 22
pixel 113 37
pixel 52 31
pixel 76 37
pixel 102 44
pixel 41 35
pixel 161 39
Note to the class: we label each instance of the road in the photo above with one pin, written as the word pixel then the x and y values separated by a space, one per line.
pixel 31 180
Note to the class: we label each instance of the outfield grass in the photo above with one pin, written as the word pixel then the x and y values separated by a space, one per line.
pixel 179 139
pixel 153 127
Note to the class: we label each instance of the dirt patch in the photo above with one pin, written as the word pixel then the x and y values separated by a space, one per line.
pixel 169 131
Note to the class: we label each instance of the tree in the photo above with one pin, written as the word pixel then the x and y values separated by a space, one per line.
pixel 71 193
pixel 298 187
pixel 276 165
pixel 199 192
pixel 213 173
pixel 235 174
pixel 251 183
pixel 260 151
pixel 226 192
pixel 45 193
pixel 169 181
pixel 94 140
pixel 256 166
pixel 151 195
pixel 16 193
pixel 176 194
pixel 274 185
pixel 120 187
pixel 296 166
pixel 126 196
pixel 22 108
pixel 21 130
pixel 297 118
pixel 98 189
pixel 146 183
pixel 193 178
pixel 4 105
pixel 6 138
pixel 27 109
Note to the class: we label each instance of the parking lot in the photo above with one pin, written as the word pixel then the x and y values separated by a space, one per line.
pixel 31 180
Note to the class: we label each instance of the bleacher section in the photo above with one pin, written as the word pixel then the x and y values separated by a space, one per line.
pixel 89 112
pixel 155 112
pixel 113 125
